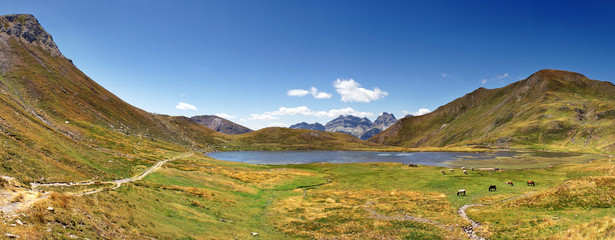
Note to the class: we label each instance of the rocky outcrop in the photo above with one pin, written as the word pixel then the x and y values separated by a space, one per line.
pixel 384 121
pixel 352 125
pixel 220 124
pixel 313 126
pixel 370 133
pixel 26 27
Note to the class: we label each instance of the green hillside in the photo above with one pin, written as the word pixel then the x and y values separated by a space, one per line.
pixel 276 138
pixel 551 109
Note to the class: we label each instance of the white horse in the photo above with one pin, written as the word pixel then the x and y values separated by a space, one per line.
pixel 461 192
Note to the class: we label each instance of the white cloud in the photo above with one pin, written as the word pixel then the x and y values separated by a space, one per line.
pixel 224 115
pixel 278 125
pixel 264 116
pixel 305 111
pixel 297 92
pixel 421 111
pixel 352 91
pixel 185 106
pixel 343 111
pixel 500 77
pixel 314 91
pixel 444 75
pixel 319 95
pixel 497 77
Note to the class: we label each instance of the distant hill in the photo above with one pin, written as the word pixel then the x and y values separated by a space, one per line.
pixel 220 125
pixel 361 128
pixel 551 109
pixel 304 125
pixel 277 138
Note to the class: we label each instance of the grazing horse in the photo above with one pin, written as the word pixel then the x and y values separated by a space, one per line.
pixel 443 172
pixel 463 168
pixel 465 172
pixel 461 192
pixel 452 170
pixel 497 169
pixel 492 188
pixel 510 183
pixel 472 169
pixel 531 183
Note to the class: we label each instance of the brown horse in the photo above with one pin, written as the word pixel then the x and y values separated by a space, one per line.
pixel 531 183
pixel 461 192
pixel 510 183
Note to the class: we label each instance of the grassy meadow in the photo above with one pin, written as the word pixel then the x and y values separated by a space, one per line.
pixel 202 198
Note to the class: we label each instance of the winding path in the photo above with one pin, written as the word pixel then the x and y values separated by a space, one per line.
pixel 33 196
pixel 377 215
pixel 470 230
pixel 117 182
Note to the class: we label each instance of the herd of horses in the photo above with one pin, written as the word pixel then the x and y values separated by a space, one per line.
pixel 493 188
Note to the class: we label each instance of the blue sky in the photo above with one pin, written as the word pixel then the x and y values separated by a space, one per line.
pixel 241 59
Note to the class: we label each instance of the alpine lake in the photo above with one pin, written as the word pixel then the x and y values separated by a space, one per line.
pixel 499 159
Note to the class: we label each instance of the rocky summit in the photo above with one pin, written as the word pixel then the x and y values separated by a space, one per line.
pixel 27 28
pixel 304 125
pixel 352 125
pixel 220 125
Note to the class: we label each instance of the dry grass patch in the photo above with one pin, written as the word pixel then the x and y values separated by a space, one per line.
pixel 584 192
pixel 344 214
pixel 603 228
pixel 264 177
pixel 261 178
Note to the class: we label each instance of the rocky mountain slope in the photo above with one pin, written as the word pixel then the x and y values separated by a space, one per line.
pixel 220 125
pixel 312 126
pixel 349 124
pixel 551 109
pixel 362 128
pixel 384 121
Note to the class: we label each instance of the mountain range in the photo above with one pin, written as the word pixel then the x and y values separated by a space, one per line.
pixel 361 128
pixel 312 126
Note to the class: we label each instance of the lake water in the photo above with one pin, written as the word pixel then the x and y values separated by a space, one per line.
pixel 421 158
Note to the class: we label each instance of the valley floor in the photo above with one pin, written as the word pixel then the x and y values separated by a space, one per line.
pixel 196 197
